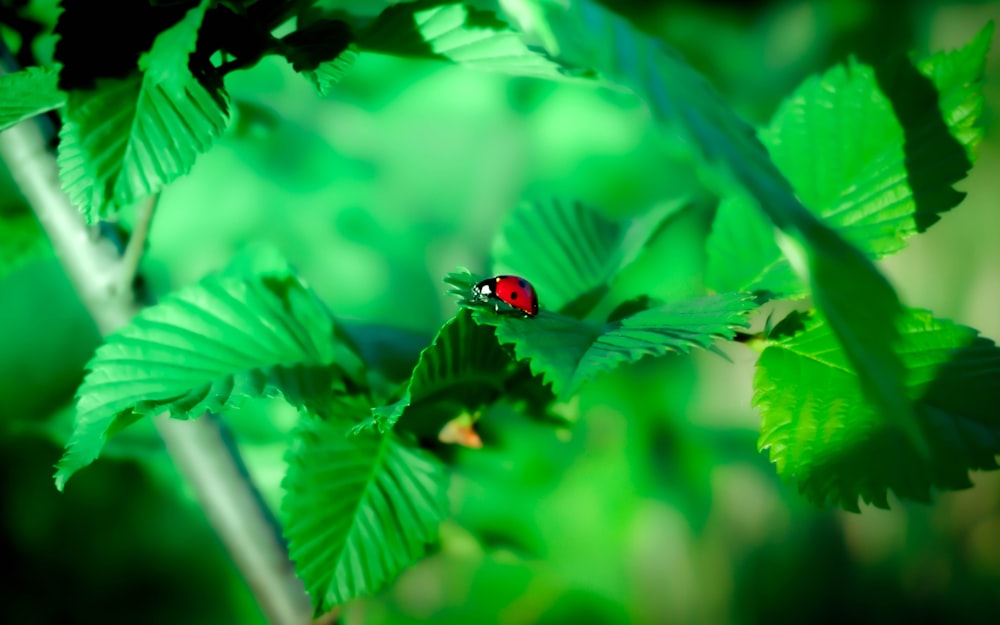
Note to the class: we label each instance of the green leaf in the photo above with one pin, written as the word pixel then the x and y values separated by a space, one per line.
pixel 461 34
pixel 205 347
pixel 862 310
pixel 322 51
pixel 129 138
pixel 328 74
pixel 21 242
pixel 743 254
pixel 568 352
pixel 463 369
pixel 586 34
pixel 565 249
pixel 263 260
pixel 669 264
pixel 573 254
pixel 28 93
pixel 874 152
pixel 821 430
pixel 164 64
pixel 358 509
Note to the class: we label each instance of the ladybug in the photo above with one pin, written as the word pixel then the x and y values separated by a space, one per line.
pixel 512 290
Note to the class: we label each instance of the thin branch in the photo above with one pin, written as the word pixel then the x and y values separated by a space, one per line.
pixel 198 447
pixel 128 267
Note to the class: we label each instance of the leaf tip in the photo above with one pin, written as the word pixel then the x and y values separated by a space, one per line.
pixel 60 478
pixel 363 427
pixel 987 32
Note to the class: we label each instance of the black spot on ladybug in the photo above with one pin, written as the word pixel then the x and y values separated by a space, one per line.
pixel 522 283
pixel 513 295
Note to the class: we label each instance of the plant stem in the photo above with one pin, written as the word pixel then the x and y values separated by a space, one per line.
pixel 198 447
pixel 128 266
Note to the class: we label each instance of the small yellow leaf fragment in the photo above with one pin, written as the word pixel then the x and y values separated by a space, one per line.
pixel 461 431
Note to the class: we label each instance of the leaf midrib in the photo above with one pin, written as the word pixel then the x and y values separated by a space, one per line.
pixel 370 482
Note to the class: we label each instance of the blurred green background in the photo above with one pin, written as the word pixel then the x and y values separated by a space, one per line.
pixel 655 508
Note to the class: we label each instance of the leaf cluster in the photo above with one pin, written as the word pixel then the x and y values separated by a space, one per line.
pixel 912 127
pixel 138 105
pixel 862 396
pixel 255 329
pixel 854 162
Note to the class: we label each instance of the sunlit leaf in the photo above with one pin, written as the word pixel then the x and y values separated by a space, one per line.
pixel 463 369
pixel 821 430
pixel 28 93
pixel 462 34
pixel 874 152
pixel 205 347
pixel 586 34
pixel 568 352
pixel 910 135
pixel 129 137
pixel 357 509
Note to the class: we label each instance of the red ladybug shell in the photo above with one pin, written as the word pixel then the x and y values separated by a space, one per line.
pixel 512 290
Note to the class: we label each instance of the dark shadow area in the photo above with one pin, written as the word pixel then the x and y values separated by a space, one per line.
pixel 116 547
pixel 771 589
pixel 934 159
pixel 92 46
pixel 960 411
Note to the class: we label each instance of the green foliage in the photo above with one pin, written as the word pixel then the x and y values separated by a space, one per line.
pixel 743 254
pixel 328 74
pixel 682 101
pixel 322 51
pixel 568 352
pixel 874 152
pixel 821 430
pixel 205 347
pixel 28 93
pixel 358 509
pixel 129 137
pixel 569 250
pixel 459 33
pixel 463 369
pixel 858 399
pixel 171 51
